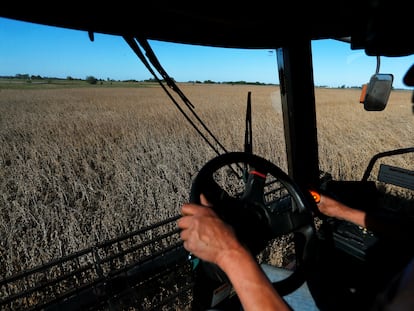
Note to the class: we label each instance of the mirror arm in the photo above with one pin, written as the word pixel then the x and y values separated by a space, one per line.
pixel 378 64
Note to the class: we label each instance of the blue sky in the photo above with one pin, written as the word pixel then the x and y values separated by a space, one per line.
pixel 27 48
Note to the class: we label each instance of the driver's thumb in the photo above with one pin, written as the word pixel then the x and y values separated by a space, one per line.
pixel 204 201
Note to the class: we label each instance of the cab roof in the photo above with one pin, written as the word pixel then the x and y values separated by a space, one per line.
pixel 380 27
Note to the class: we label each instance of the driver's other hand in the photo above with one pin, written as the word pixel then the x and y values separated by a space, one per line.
pixel 204 234
pixel 329 206
pixel 333 208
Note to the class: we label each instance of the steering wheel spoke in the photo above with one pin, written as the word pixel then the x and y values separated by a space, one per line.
pixel 213 192
pixel 255 186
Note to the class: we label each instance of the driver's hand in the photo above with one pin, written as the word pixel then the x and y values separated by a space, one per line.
pixel 332 208
pixel 204 234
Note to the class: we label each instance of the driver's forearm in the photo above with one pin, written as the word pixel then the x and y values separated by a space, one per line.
pixel 336 209
pixel 355 216
pixel 253 288
pixel 390 226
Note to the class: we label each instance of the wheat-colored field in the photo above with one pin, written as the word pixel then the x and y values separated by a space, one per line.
pixel 83 165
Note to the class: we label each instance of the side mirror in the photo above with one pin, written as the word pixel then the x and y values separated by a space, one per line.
pixel 375 94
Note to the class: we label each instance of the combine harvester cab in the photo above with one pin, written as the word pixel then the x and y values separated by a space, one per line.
pixel 335 261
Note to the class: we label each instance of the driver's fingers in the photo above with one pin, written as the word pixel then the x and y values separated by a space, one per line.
pixel 190 209
pixel 183 222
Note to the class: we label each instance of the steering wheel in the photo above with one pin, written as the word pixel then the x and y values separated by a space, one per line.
pixel 261 203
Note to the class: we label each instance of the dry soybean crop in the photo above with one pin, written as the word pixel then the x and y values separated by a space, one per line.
pixel 82 165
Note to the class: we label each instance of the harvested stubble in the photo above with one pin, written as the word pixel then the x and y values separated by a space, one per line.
pixel 78 166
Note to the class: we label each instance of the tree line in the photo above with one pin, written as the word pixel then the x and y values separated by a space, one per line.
pixel 93 80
